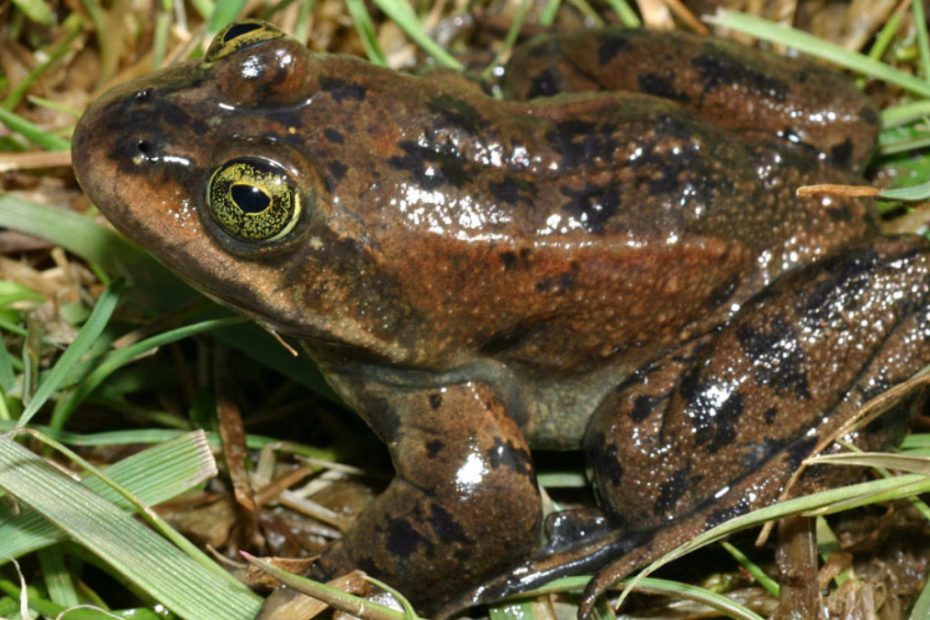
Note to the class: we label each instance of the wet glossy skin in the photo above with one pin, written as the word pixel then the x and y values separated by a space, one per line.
pixel 479 277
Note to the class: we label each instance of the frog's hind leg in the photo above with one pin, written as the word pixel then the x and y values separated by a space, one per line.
pixel 803 106
pixel 718 428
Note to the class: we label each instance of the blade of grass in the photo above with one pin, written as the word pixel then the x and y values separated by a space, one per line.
pixel 36 10
pixel 223 14
pixel 771 586
pixel 91 330
pixel 627 15
pixel 810 505
pixel 154 475
pixel 33 132
pixel 401 13
pixel 921 609
pixel 366 31
pixel 119 358
pixel 810 44
pixel 719 602
pixel 336 598
pixel 57 578
pixel 160 435
pixel 920 25
pixel 72 27
pixel 141 556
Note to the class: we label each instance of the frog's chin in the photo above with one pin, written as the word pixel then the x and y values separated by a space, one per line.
pixel 316 334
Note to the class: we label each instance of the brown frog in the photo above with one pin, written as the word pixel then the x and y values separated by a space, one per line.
pixel 613 258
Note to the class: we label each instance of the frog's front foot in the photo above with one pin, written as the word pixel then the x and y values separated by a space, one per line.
pixel 464 503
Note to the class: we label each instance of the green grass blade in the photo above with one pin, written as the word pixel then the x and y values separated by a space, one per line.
pixel 36 10
pixel 223 14
pixel 142 557
pixel 33 132
pixel 85 339
pixel 923 46
pixel 921 609
pixel 771 586
pixel 406 19
pixel 120 357
pixel 154 475
pixel 335 597
pixel 366 31
pixel 850 496
pixel 627 15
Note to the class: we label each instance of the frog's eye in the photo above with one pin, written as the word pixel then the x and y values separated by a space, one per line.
pixel 239 35
pixel 253 200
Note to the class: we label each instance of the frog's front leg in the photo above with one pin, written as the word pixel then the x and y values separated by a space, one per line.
pixel 464 501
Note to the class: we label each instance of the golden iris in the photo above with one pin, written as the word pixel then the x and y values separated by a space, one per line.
pixel 253 199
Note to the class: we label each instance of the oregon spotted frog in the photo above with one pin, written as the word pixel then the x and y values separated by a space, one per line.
pixel 612 258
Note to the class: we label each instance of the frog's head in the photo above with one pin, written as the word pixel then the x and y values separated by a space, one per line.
pixel 208 166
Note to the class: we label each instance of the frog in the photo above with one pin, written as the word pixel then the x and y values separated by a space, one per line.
pixel 611 257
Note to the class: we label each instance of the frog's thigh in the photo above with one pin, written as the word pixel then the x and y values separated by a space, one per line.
pixel 717 428
pixel 464 502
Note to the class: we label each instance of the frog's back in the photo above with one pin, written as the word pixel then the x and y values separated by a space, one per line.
pixel 564 231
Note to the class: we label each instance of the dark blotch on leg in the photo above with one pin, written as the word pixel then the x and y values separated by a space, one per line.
pixel 672 490
pixel 402 539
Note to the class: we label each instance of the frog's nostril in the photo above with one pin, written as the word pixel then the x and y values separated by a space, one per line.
pixel 143 95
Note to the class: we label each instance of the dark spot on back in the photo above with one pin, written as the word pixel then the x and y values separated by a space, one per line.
pixel 592 206
pixel 611 45
pixel 841 154
pixel 435 400
pixel 341 90
pixel 418 161
pixel 511 190
pixel 769 415
pixel 508 259
pixel 456 112
pixel 333 135
pixel 660 86
pixel 582 142
pixel 337 170
pixel 718 70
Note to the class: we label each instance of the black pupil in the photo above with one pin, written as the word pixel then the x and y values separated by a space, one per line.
pixel 250 198
pixel 237 30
